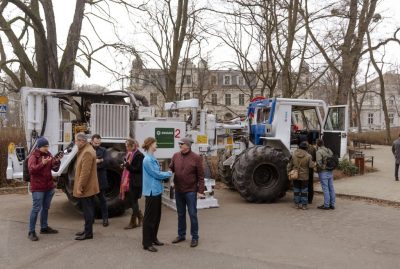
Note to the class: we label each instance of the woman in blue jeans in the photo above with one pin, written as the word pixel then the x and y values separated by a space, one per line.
pixel 40 164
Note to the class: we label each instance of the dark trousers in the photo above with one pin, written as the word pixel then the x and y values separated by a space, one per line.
pixel 103 204
pixel 88 213
pixel 151 220
pixel 396 171
pixel 310 186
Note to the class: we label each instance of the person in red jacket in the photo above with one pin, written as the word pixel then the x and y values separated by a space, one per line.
pixel 40 164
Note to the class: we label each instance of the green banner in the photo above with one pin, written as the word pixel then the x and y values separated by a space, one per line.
pixel 165 137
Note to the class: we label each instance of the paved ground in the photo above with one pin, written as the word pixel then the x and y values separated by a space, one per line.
pixel 236 235
pixel 377 185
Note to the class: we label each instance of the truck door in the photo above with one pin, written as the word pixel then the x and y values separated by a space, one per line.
pixel 335 129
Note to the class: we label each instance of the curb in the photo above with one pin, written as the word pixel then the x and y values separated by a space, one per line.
pixel 366 199
pixel 14 190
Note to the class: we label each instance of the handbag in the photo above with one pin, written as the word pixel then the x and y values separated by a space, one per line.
pixel 294 173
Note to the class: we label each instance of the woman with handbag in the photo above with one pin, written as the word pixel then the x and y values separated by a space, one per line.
pixel 132 181
pixel 298 171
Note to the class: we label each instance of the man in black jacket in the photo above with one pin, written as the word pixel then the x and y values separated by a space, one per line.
pixel 101 155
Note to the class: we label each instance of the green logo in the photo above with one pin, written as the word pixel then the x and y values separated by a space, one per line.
pixel 165 137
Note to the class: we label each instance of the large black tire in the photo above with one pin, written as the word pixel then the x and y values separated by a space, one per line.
pixel 116 206
pixel 225 172
pixel 259 174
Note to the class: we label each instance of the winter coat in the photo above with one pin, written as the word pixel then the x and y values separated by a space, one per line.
pixel 322 154
pixel 189 172
pixel 86 173
pixel 101 153
pixel 135 169
pixel 302 161
pixel 396 150
pixel 41 179
pixel 153 176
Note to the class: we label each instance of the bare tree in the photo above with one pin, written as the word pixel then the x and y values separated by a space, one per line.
pixel 350 20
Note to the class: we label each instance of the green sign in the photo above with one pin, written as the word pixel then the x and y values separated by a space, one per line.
pixel 165 137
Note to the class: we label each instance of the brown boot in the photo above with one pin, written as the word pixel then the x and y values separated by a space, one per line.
pixel 140 218
pixel 132 224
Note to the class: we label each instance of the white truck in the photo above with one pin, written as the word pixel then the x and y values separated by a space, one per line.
pixel 59 114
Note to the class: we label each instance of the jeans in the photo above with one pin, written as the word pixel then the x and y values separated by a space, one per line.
pixel 41 202
pixel 103 204
pixel 300 191
pixel 188 199
pixel 87 204
pixel 326 179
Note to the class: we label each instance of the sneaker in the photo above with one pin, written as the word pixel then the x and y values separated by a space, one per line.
pixel 323 207
pixel 48 230
pixel 332 207
pixel 32 236
pixel 178 239
pixel 304 207
pixel 297 206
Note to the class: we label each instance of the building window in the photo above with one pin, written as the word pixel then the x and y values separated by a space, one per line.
pixel 213 80
pixel 153 99
pixel 196 95
pixel 188 79
pixel 391 118
pixel 146 80
pixel 371 101
pixel 391 102
pixel 228 99
pixel 241 99
pixel 186 96
pixel 214 97
pixel 227 80
pixel 240 80
pixel 370 118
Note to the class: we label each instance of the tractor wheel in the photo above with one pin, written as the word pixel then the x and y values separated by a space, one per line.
pixel 116 206
pixel 225 172
pixel 259 174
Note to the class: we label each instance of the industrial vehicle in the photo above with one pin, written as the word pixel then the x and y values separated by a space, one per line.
pixel 275 128
pixel 59 114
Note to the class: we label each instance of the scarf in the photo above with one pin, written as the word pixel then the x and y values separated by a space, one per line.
pixel 124 187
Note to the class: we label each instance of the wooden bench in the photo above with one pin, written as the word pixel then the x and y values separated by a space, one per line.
pixel 361 144
pixel 358 153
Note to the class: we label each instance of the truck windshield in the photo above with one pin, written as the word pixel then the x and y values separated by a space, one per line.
pixel 263 114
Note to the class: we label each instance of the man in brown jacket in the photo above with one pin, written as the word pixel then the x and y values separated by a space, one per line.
pixel 189 184
pixel 86 185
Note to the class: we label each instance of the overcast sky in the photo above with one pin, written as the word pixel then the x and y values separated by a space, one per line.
pixel 389 9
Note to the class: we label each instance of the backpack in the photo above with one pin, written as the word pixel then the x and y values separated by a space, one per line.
pixel 331 162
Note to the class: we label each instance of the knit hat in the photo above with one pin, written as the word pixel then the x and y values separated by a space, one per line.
pixel 187 141
pixel 41 142
pixel 303 145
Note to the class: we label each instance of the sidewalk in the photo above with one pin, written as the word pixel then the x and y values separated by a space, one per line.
pixel 378 185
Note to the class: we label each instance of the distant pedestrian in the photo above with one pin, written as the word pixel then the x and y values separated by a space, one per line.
pixel 133 170
pixel 86 184
pixel 302 161
pixel 152 190
pixel 325 176
pixel 396 153
pixel 101 161
pixel 188 170
pixel 40 164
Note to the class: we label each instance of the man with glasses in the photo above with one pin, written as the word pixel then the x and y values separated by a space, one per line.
pixel 189 185
pixel 86 185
